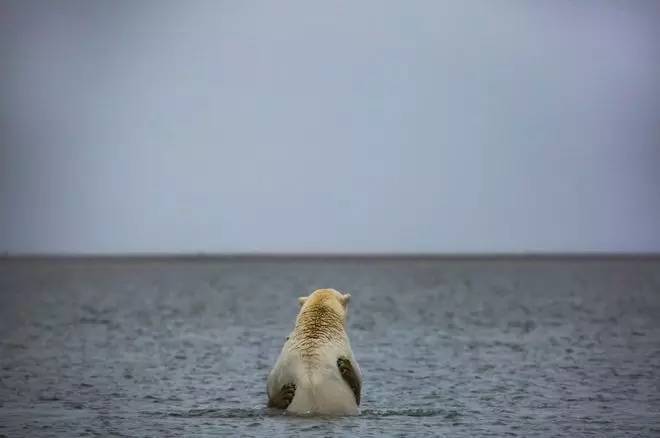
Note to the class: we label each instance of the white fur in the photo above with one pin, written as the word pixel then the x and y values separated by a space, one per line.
pixel 320 388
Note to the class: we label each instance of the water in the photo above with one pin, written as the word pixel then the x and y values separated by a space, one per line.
pixel 447 347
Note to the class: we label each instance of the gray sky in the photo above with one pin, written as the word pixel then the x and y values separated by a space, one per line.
pixel 296 126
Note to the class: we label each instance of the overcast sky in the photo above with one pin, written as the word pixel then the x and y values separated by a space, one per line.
pixel 340 126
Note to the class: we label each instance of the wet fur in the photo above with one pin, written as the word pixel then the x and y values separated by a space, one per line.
pixel 317 325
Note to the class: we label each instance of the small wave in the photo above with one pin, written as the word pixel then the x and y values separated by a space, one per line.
pixel 409 413
pixel 212 413
pixel 266 412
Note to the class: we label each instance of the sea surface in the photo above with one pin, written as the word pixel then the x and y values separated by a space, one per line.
pixel 447 347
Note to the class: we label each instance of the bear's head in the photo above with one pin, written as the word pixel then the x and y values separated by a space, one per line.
pixel 327 298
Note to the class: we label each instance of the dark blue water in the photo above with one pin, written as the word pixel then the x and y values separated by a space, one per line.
pixel 457 348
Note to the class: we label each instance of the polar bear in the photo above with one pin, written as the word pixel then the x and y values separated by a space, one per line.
pixel 316 372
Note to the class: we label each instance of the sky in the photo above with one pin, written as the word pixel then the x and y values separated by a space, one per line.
pixel 329 127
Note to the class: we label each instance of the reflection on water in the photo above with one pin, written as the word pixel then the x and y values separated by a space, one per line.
pixel 447 347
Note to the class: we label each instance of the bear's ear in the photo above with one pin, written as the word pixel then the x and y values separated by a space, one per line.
pixel 301 300
pixel 345 299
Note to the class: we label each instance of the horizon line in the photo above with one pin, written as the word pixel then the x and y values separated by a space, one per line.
pixel 331 255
